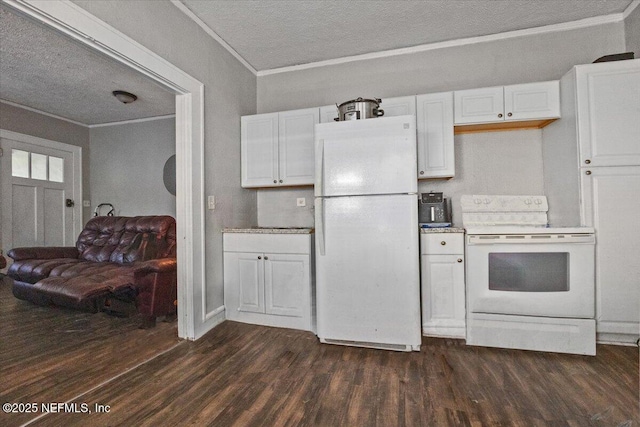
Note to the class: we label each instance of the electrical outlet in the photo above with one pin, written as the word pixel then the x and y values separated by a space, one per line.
pixel 211 202
pixel 301 202
pixel 86 203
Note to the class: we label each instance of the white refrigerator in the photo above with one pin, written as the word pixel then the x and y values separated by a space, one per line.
pixel 366 219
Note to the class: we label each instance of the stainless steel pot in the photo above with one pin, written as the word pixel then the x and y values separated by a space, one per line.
pixel 359 108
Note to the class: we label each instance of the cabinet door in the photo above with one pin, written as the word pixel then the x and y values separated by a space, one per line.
pixel 250 282
pixel 435 135
pixel 296 147
pixel 532 101
pixel 443 296
pixel 611 205
pixel 328 113
pixel 286 284
pixel 399 106
pixel 259 150
pixel 479 105
pixel 609 113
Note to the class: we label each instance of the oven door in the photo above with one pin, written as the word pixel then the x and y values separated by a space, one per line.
pixel 531 275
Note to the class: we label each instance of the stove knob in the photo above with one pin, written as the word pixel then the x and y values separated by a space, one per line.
pixel 487 201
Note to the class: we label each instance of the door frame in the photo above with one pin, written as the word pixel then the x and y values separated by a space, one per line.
pixel 76 164
pixel 80 25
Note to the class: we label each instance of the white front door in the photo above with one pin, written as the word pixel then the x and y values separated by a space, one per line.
pixel 41 194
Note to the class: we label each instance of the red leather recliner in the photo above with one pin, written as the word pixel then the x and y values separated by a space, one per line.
pixel 115 259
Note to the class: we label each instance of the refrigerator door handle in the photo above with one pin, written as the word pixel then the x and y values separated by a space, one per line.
pixel 319 190
pixel 320 225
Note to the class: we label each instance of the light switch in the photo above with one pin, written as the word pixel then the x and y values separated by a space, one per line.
pixel 301 202
pixel 211 202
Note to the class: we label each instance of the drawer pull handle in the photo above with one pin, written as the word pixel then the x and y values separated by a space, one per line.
pixel 459 259
pixel 259 257
pixel 443 243
pixel 266 257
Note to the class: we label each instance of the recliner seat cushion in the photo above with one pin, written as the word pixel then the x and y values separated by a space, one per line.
pixel 86 280
pixel 33 270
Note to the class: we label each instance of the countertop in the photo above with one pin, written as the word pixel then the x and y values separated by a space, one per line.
pixel 441 230
pixel 270 230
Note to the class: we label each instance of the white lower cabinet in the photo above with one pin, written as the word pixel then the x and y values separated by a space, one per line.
pixel 611 205
pixel 442 283
pixel 268 279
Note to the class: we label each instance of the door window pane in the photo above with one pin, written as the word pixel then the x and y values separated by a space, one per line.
pixel 56 169
pixel 529 272
pixel 20 163
pixel 38 166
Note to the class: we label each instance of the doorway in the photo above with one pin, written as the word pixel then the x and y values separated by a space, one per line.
pixel 41 182
pixel 66 17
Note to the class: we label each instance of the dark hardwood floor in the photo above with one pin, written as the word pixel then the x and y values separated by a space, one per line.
pixel 54 355
pixel 246 375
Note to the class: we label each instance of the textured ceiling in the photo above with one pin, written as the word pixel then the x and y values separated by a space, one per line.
pixel 270 34
pixel 43 69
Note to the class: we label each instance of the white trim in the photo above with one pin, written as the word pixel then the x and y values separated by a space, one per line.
pixel 582 23
pixel 632 6
pixel 76 153
pixel 185 9
pixel 122 122
pixel 44 113
pixel 96 34
pixel 126 122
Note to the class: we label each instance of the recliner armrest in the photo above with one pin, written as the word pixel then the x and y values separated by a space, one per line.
pixel 51 252
pixel 160 265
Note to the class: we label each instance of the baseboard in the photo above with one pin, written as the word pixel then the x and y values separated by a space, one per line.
pixel 450 329
pixel 617 333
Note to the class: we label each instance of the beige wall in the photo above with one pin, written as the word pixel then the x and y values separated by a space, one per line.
pixel 516 60
pixel 499 162
pixel 132 156
pixel 229 92
pixel 31 123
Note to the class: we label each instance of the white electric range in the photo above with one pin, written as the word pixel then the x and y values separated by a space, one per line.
pixel 529 286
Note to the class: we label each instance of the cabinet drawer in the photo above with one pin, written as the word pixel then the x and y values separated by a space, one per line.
pixel 442 243
pixel 267 243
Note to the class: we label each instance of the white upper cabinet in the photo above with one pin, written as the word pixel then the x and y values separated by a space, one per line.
pixel 277 148
pixel 479 105
pixel 608 111
pixel 531 101
pixel 296 146
pixel 399 106
pixel 435 135
pixel 328 113
pixel 259 150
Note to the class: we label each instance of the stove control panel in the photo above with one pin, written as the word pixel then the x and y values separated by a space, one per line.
pixel 498 210
pixel 486 203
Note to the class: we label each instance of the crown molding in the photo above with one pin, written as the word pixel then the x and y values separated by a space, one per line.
pixel 184 9
pixel 630 8
pixel 565 26
pixel 126 122
pixel 44 113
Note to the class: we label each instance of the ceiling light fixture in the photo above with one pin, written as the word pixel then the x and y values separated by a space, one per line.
pixel 124 97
